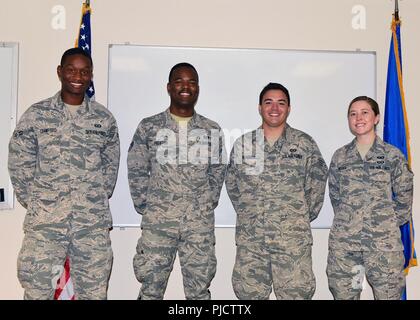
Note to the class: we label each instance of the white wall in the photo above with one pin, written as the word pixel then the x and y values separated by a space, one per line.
pixel 298 24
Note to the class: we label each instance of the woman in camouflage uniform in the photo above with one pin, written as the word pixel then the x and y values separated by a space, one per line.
pixel 371 190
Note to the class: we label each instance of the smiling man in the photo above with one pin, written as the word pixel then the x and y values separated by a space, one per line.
pixel 275 205
pixel 176 190
pixel 63 163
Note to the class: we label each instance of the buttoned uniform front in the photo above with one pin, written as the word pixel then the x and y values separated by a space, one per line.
pixel 176 192
pixel 63 170
pixel 274 207
pixel 371 199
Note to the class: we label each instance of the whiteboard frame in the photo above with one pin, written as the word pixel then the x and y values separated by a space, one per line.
pixel 9 193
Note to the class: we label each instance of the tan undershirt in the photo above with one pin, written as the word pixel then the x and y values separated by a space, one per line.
pixel 272 140
pixel 182 121
pixel 363 149
pixel 72 108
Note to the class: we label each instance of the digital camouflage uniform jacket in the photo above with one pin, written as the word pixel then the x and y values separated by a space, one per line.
pixel 276 206
pixel 156 177
pixel 366 215
pixel 64 169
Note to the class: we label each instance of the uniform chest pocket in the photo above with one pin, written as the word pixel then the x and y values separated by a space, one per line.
pixel 94 141
pixel 251 169
pixel 164 151
pixel 380 175
pixel 49 144
pixel 351 179
pixel 290 168
pixel 94 137
pixel 200 152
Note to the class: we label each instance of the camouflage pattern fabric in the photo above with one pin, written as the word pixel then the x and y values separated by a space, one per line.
pixel 41 261
pixel 258 269
pixel 275 203
pixel 384 271
pixel 176 190
pixel 63 170
pixel 371 199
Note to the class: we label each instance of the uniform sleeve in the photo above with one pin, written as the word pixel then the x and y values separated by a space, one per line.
pixel 315 181
pixel 232 178
pixel 23 151
pixel 402 189
pixel 110 156
pixel 217 170
pixel 138 166
pixel 333 184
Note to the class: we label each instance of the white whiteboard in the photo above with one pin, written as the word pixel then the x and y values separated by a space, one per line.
pixel 8 105
pixel 321 85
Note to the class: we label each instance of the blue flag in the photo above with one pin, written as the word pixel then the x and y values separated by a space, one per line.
pixel 396 129
pixel 83 40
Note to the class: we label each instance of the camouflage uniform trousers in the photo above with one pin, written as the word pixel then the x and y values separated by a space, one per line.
pixel 41 260
pixel 257 269
pixel 384 272
pixel 167 228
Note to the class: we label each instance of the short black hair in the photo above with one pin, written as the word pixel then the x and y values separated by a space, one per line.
pixel 74 51
pixel 181 65
pixel 274 86
pixel 373 104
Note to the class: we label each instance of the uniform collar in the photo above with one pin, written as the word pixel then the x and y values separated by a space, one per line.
pixel 284 138
pixel 378 147
pixel 58 103
pixel 194 122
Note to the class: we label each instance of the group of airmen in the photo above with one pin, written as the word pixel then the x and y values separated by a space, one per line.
pixel 63 163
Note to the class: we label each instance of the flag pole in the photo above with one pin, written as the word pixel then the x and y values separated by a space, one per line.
pixel 396 14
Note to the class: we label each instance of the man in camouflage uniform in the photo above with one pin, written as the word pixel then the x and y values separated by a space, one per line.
pixel 63 163
pixel 371 193
pixel 175 172
pixel 276 195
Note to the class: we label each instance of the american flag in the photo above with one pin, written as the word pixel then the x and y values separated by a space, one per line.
pixel 83 40
pixel 64 289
